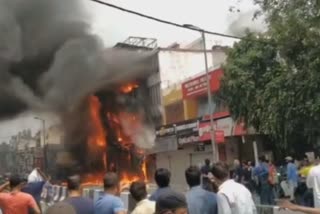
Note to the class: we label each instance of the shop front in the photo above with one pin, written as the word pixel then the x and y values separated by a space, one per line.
pixel 189 150
pixel 223 137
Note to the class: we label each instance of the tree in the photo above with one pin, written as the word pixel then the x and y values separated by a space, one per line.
pixel 272 80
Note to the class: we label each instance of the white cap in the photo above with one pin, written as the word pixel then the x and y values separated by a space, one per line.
pixel 289 158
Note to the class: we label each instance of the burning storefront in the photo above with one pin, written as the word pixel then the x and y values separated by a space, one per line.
pixel 107 99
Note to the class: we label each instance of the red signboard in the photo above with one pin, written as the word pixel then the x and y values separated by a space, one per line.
pixel 219 136
pixel 204 133
pixel 198 86
pixel 240 129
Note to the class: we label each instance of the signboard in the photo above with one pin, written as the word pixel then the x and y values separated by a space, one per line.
pixel 187 132
pixel 200 147
pixel 240 129
pixel 204 131
pixel 198 86
pixel 164 144
pixel 224 124
pixel 164 131
pixel 187 127
pixel 219 136
pixel 187 139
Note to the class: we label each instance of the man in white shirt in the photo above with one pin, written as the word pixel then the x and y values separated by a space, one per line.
pixel 313 182
pixel 138 191
pixel 233 198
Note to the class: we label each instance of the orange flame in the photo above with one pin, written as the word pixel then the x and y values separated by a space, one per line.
pixel 126 180
pixel 124 125
pixel 144 169
pixel 97 138
pixel 128 88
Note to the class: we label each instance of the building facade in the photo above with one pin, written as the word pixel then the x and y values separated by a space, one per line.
pixel 185 137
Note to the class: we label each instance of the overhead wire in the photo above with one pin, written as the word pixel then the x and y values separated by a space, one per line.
pixel 164 21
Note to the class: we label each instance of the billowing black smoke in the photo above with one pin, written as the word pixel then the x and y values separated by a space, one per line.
pixel 49 61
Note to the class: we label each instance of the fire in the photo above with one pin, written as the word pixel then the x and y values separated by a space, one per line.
pixel 127 180
pixel 128 88
pixel 92 179
pixel 144 170
pixel 124 126
pixel 97 137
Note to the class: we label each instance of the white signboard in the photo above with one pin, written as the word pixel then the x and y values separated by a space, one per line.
pixel 225 125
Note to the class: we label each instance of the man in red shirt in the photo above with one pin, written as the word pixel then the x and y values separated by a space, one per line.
pixel 16 201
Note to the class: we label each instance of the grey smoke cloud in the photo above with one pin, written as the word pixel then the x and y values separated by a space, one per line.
pixel 49 61
pixel 244 21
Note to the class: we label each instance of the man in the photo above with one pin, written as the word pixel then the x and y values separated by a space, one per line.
pixel 109 203
pixel 205 170
pixel 233 198
pixel 238 171
pixel 162 178
pixel 79 204
pixel 292 176
pixel 247 176
pixel 139 193
pixel 313 182
pixel 16 201
pixel 171 202
pixel 199 200
pixel 36 181
pixel 262 173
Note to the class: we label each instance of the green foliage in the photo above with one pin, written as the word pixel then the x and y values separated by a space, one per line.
pixel 273 83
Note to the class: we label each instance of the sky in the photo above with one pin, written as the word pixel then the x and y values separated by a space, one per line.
pixel 115 26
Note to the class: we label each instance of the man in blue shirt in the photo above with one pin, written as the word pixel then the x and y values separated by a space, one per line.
pixel 199 200
pixel 292 176
pixel 110 203
pixel 262 172
pixel 162 178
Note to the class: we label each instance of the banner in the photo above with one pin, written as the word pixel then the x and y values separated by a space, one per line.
pixel 219 136
pixel 198 85
pixel 225 125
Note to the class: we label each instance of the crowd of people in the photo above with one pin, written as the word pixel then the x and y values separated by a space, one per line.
pixel 231 197
pixel 213 189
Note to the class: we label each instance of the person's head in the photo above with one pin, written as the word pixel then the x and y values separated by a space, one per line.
pixel 236 162
pixel 73 183
pixel 138 190
pixel 193 176
pixel 207 162
pixel 171 203
pixel 249 163
pixel 289 159
pixel 262 159
pixel 220 172
pixel 111 182
pixel 162 177
pixel 245 164
pixel 15 181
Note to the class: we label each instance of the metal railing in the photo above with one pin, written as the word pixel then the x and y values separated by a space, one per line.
pixel 269 209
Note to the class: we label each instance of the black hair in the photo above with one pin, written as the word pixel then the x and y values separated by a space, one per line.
pixel 207 161
pixel 170 201
pixel 15 180
pixel 110 180
pixel 193 176
pixel 220 170
pixel 73 182
pixel 138 190
pixel 262 159
pixel 162 177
